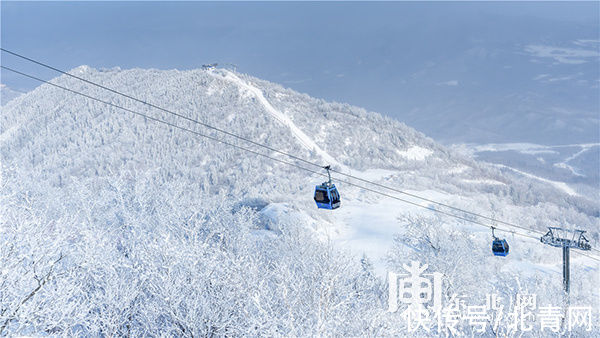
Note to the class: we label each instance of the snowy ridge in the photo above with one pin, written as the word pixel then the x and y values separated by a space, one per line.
pixel 304 139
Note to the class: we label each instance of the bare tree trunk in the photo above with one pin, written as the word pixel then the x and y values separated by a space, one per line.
pixel 41 283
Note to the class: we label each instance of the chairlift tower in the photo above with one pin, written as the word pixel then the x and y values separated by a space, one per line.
pixel 566 239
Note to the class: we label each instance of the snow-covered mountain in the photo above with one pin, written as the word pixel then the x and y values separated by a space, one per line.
pixel 573 166
pixel 524 96
pixel 121 225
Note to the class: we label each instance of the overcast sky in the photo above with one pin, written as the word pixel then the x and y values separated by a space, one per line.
pixel 417 62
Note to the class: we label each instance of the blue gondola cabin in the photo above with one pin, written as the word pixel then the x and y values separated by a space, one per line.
pixel 500 247
pixel 327 196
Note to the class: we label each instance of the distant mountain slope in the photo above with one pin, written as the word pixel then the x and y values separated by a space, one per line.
pixel 575 165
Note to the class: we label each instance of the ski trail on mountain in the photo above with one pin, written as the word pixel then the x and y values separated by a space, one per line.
pixel 565 162
pixel 304 139
pixel 559 185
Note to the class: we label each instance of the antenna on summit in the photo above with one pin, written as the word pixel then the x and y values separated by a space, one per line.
pixel 228 66
pixel 209 66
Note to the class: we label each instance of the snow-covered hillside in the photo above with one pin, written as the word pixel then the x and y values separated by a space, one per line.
pixel 119 225
pixel 576 167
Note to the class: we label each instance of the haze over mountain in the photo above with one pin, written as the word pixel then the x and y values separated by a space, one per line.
pixel 157 230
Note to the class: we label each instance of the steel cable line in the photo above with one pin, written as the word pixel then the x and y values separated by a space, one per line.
pixel 245 149
pixel 273 149
pixel 270 148
pixel 271 157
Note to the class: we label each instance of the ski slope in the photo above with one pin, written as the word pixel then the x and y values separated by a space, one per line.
pixel 417 153
pixel 304 139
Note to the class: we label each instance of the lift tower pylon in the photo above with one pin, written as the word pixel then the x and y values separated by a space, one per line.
pixel 566 239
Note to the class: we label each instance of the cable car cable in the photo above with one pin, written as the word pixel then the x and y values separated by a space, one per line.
pixel 266 146
pixel 264 155
pixel 249 150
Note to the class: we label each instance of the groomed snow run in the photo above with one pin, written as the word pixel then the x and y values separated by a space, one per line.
pixel 304 139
